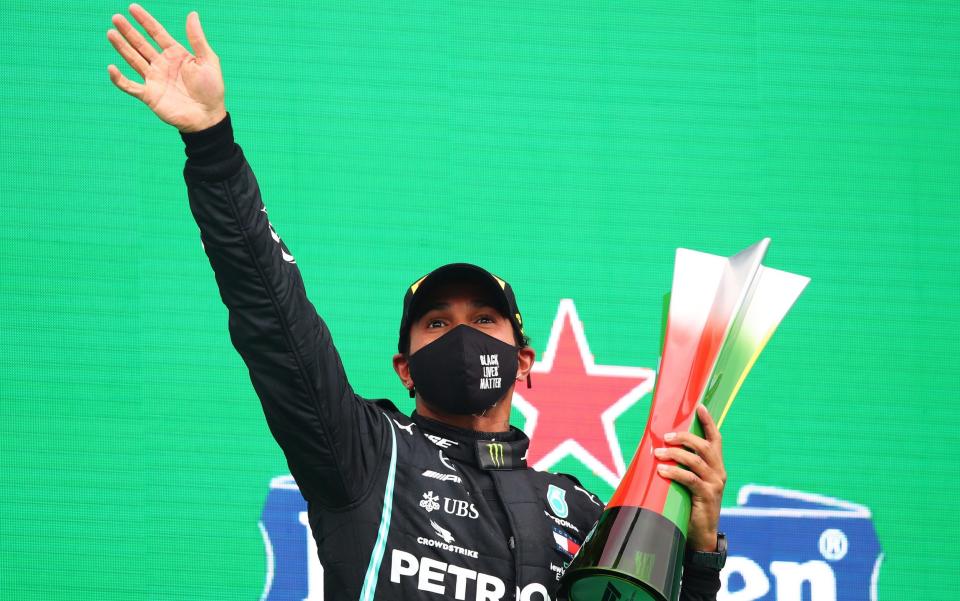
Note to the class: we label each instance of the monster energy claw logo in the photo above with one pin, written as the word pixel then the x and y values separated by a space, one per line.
pixel 495 449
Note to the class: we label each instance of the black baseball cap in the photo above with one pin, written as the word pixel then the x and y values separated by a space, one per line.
pixel 501 291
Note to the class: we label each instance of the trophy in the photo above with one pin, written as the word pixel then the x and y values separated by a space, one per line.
pixel 722 311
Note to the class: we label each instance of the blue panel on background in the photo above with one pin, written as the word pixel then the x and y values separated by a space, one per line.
pixel 786 544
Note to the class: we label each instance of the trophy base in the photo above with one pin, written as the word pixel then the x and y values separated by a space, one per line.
pixel 610 588
pixel 633 554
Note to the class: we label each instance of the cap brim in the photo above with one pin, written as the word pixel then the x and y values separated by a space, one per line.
pixel 460 271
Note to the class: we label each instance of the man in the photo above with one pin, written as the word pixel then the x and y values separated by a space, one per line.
pixel 440 503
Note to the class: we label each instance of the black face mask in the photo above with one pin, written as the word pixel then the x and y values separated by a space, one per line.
pixel 464 372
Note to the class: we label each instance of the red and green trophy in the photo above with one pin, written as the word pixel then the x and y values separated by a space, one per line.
pixel 722 311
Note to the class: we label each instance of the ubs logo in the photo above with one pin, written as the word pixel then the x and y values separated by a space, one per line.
pixel 455 507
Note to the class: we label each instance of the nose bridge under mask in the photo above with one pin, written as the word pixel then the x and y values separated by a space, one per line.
pixel 458 351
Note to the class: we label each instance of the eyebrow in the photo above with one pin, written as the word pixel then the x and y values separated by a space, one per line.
pixel 477 304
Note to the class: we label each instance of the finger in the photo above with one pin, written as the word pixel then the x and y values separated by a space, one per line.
pixel 682 476
pixel 130 33
pixel 130 87
pixel 196 37
pixel 691 461
pixel 153 27
pixel 710 452
pixel 133 58
pixel 688 439
pixel 710 430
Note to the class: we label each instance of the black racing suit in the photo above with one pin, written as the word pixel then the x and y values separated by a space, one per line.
pixel 400 507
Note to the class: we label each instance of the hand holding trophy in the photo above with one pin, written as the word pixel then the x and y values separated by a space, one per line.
pixel 722 312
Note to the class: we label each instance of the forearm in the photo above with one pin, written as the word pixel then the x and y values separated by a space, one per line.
pixel 699 584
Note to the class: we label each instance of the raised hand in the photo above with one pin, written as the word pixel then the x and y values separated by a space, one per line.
pixel 183 89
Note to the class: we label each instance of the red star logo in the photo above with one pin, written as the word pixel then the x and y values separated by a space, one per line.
pixel 574 403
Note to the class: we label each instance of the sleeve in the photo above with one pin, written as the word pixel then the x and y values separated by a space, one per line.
pixel 699 584
pixel 333 440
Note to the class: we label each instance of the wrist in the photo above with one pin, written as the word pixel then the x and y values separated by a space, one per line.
pixel 212 154
pixel 714 558
pixel 706 543
pixel 210 144
pixel 210 120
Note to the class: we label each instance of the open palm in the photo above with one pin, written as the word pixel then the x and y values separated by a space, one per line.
pixel 183 89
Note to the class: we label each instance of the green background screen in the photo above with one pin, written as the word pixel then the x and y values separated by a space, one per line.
pixel 568 148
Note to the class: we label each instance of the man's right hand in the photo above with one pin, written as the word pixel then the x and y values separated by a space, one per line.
pixel 183 89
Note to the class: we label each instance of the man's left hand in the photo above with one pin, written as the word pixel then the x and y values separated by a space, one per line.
pixel 704 477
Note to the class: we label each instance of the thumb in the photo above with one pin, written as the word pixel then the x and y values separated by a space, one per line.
pixel 198 41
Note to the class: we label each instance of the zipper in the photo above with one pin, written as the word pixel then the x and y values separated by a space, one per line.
pixel 511 542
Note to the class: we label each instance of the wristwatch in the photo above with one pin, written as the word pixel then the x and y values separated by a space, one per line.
pixel 714 560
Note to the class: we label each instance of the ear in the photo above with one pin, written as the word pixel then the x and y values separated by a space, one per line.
pixel 402 366
pixel 526 357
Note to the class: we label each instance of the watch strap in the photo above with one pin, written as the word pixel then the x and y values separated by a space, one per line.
pixel 714 560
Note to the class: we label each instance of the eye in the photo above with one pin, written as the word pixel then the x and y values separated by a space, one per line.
pixel 435 323
pixel 486 319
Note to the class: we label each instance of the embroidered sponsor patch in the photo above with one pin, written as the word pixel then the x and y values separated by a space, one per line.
pixel 442 477
pixel 557 497
pixel 565 542
pixel 443 443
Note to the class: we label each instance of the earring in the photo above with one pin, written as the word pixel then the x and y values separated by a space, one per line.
pixel 413 391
